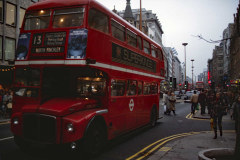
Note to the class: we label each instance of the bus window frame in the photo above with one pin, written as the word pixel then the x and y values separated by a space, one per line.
pixel 129 33
pixel 109 21
pixel 125 87
pixel 72 7
pixel 124 29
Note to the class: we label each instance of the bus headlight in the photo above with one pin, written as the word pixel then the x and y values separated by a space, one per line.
pixel 15 121
pixel 70 127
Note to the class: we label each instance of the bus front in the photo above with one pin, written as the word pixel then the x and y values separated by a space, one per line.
pixel 57 95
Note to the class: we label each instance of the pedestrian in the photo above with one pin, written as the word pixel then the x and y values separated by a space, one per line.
pixel 168 103
pixel 194 101
pixel 172 101
pixel 202 99
pixel 165 99
pixel 217 113
pixel 210 97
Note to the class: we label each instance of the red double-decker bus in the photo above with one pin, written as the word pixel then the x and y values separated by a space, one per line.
pixel 199 85
pixel 83 76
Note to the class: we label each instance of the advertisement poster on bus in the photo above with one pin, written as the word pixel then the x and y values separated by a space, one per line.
pixel 77 44
pixel 23 46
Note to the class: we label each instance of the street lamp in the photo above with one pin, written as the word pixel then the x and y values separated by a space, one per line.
pixel 192 72
pixel 185 44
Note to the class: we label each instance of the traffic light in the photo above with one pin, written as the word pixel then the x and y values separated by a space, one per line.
pixel 186 84
pixel 170 82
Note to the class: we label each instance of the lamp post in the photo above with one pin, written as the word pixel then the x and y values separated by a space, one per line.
pixel 192 72
pixel 140 19
pixel 185 44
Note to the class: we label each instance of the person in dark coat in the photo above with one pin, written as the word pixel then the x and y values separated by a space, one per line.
pixel 202 99
pixel 210 97
pixel 217 113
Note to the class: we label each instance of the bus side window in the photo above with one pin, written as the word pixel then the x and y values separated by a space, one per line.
pixel 140 87
pixel 160 54
pixel 154 52
pixel 131 38
pixel 139 42
pixel 118 87
pixel 98 20
pixel 153 88
pixel 146 46
pixel 118 31
pixel 146 89
pixel 131 88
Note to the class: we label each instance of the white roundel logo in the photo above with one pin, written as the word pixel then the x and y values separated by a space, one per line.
pixel 131 105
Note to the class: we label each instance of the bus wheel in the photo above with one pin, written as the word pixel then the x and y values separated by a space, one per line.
pixel 153 117
pixel 95 139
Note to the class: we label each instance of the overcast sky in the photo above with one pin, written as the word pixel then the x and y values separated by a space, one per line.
pixel 182 19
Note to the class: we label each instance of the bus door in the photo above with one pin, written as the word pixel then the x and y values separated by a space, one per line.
pixel 117 106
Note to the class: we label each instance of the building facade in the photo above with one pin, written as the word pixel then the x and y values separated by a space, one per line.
pixel 11 17
pixel 217 73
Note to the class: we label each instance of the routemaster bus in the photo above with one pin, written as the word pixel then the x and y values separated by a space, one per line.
pixel 199 85
pixel 83 76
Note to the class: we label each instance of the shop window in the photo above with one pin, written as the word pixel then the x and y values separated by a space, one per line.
pixel 97 20
pixel 11 14
pixel 9 49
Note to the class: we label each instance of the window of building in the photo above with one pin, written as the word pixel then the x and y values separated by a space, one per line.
pixel 131 88
pixel 1 46
pixel 21 14
pixel 118 31
pixel 11 14
pixel 98 20
pixel 70 17
pixel 131 38
pixel 10 49
pixel 118 87
pixel 146 46
pixel 139 42
pixel 1 11
pixel 37 20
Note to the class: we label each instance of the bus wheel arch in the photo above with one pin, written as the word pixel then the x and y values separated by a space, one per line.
pixel 153 116
pixel 95 136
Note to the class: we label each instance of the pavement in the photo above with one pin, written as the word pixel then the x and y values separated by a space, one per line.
pixel 187 146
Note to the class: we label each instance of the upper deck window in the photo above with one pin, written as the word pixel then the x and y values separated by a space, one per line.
pixel 118 31
pixel 146 46
pixel 131 38
pixel 98 20
pixel 70 17
pixel 37 20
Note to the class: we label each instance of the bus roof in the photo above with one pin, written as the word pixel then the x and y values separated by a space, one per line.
pixel 63 3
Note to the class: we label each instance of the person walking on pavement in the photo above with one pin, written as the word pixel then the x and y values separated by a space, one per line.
pixel 202 99
pixel 216 114
pixel 172 101
pixel 210 97
pixel 168 103
pixel 194 101
pixel 165 99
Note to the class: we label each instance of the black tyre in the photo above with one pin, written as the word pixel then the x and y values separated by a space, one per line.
pixel 153 117
pixel 95 139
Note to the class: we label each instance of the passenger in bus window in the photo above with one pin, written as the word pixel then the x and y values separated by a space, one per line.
pixel 120 91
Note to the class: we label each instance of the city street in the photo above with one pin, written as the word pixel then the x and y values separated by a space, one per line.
pixel 122 148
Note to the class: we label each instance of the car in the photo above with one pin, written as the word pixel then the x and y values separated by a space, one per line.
pixel 188 94
pixel 177 94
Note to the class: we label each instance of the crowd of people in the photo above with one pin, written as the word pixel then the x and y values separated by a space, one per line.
pixel 217 105
pixel 6 97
